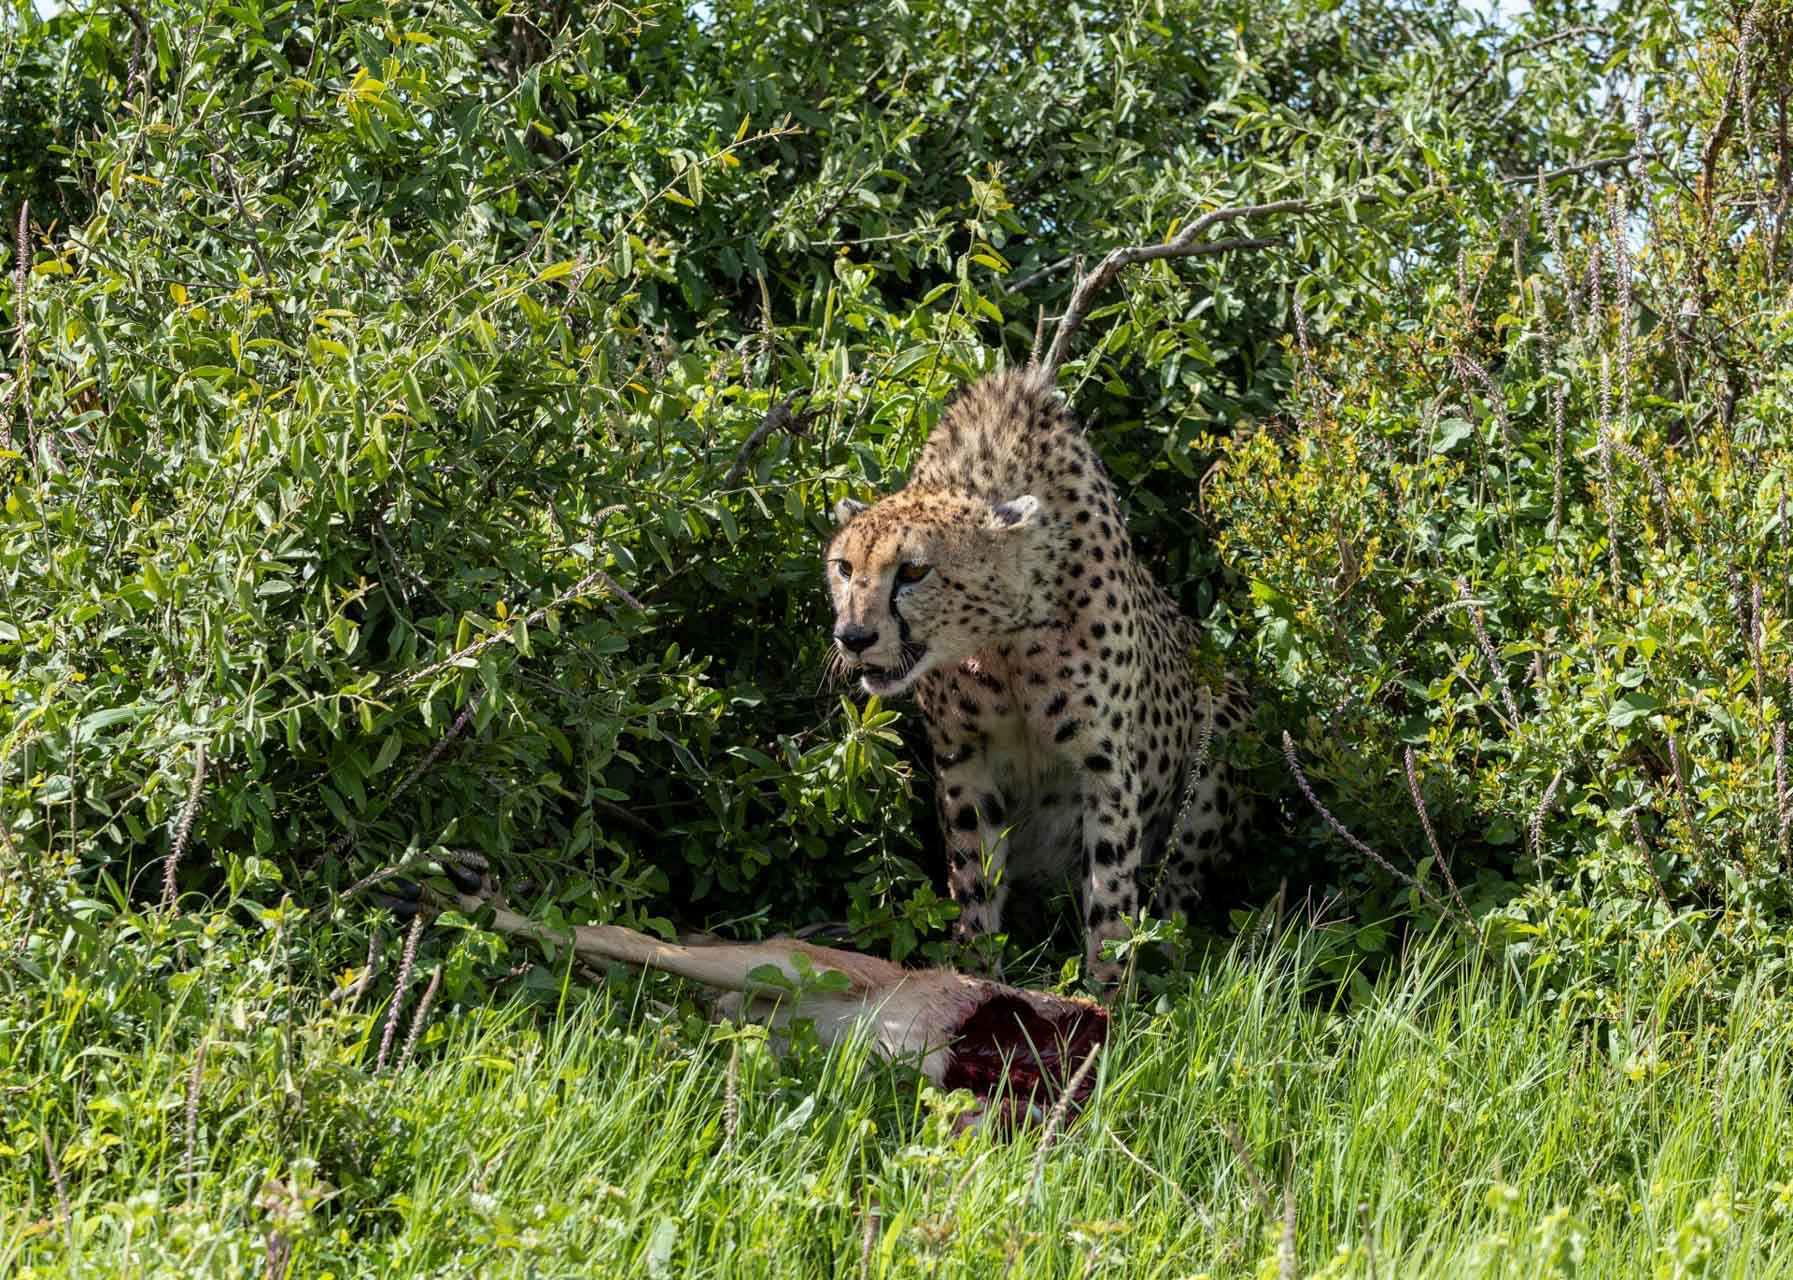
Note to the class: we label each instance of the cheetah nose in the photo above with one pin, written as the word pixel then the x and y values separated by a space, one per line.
pixel 855 638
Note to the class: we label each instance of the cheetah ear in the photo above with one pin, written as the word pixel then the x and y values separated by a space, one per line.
pixel 1016 513
pixel 847 508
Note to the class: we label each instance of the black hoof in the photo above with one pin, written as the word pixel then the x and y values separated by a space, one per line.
pixel 468 880
pixel 400 897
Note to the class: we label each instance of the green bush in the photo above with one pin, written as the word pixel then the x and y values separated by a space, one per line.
pixel 1532 527
pixel 421 423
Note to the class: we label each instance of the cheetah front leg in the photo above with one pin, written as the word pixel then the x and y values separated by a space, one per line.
pixel 1111 832
pixel 971 818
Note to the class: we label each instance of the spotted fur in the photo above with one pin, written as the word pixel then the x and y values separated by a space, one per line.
pixel 1053 672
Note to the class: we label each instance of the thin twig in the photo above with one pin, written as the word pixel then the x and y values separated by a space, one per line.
pixel 1649 854
pixel 1288 747
pixel 1286 1265
pixel 405 964
pixel 1034 277
pixel 1693 831
pixel 1535 831
pixel 1489 653
pixel 195 1077
pixel 1425 822
pixel 1266 1205
pixel 1194 1207
pixel 1586 166
pixel 952 1199
pixel 56 1177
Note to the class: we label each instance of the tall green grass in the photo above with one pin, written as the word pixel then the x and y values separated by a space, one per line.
pixel 1449 1120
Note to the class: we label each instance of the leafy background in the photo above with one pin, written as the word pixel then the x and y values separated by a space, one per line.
pixel 421 425
pixel 418 428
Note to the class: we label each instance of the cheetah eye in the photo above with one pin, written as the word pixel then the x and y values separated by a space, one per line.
pixel 844 568
pixel 910 573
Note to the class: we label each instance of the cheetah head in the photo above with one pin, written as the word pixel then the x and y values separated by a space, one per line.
pixel 924 579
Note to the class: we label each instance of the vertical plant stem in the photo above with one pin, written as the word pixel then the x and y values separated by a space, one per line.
pixel 184 828
pixel 420 1017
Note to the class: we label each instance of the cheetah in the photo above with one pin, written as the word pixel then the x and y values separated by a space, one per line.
pixel 1052 671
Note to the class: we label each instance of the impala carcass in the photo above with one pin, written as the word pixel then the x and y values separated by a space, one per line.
pixel 1015 1050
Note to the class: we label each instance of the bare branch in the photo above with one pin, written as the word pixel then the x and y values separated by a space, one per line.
pixel 1187 243
pixel 1034 277
pixel 1586 166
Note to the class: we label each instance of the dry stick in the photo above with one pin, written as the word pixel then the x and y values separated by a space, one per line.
pixel 1641 460
pixel 56 1177
pixel 1055 1119
pixel 1183 245
pixel 422 767
pixel 418 1018
pixel 1536 829
pixel 952 1200
pixel 868 1235
pixel 183 828
pixel 189 1168
pixel 1288 747
pixel 1469 371
pixel 1489 654
pixel 1034 277
pixel 1609 474
pixel 403 980
pixel 277 1253
pixel 1425 821
pixel 579 588
pixel 1643 845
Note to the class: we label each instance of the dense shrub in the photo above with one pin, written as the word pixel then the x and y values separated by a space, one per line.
pixel 394 456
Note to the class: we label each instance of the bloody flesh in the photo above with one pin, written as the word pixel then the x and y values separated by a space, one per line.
pixel 1008 1050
